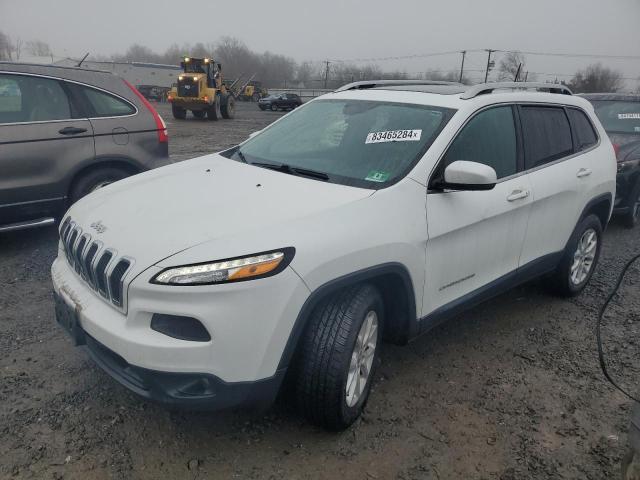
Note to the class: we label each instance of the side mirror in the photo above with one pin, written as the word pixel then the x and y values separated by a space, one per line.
pixel 464 175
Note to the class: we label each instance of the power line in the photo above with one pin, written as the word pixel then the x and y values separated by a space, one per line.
pixel 452 52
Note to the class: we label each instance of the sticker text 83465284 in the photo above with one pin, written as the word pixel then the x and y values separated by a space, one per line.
pixel 394 136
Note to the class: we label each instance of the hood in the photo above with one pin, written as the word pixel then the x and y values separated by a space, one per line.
pixel 156 214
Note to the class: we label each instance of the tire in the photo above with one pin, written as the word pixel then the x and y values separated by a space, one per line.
pixel 329 350
pixel 214 113
pixel 262 107
pixel 570 277
pixel 228 106
pixel 274 107
pixel 95 179
pixel 199 113
pixel 256 97
pixel 179 113
pixel 632 217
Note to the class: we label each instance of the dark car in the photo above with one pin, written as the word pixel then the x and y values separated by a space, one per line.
pixel 281 101
pixel 620 117
pixel 65 132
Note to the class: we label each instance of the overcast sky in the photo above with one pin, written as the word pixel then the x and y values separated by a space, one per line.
pixel 344 29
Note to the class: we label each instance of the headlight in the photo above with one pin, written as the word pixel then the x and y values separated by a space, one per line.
pixel 223 271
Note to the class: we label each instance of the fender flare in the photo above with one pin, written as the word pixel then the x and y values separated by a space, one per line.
pixel 366 274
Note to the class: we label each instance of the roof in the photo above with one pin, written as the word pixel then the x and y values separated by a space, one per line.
pixel 440 89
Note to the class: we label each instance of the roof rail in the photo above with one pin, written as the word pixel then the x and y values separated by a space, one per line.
pixel 484 88
pixel 390 83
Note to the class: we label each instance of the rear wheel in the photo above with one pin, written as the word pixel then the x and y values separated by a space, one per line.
pixel 274 107
pixel 94 180
pixel 580 258
pixel 178 112
pixel 199 113
pixel 228 106
pixel 338 356
pixel 632 217
pixel 214 113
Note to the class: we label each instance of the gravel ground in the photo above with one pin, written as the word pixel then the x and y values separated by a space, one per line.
pixel 510 390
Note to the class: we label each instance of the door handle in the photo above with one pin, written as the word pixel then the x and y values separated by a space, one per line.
pixel 71 130
pixel 517 195
pixel 583 172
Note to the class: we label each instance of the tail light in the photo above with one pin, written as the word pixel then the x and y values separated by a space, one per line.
pixel 163 136
pixel 616 148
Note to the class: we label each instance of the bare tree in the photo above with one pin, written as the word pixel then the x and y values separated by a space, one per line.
pixel 5 47
pixel 596 78
pixel 511 64
pixel 38 48
pixel 18 48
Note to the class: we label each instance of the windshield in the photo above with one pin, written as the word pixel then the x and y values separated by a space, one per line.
pixel 618 116
pixel 354 142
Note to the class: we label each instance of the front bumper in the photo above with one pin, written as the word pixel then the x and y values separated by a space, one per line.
pixel 192 391
pixel 249 324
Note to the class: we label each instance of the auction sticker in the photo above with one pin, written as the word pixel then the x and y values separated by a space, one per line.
pixel 394 136
pixel 629 116
pixel 377 176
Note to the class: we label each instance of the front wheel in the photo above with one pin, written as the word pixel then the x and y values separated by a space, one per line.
pixel 338 356
pixel 579 259
pixel 214 113
pixel 274 107
pixel 179 113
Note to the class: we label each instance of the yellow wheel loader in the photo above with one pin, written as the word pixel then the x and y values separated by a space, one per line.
pixel 200 89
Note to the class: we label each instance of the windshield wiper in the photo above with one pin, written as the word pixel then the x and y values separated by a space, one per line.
pixel 283 167
pixel 240 155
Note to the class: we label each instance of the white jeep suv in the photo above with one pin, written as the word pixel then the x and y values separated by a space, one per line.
pixel 372 213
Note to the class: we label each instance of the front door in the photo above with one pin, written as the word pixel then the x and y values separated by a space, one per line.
pixel 475 237
pixel 40 143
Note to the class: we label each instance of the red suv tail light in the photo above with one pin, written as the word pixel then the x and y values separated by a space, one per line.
pixel 616 148
pixel 163 136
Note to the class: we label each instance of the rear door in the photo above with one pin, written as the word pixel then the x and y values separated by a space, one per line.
pixel 42 138
pixel 117 124
pixel 560 168
pixel 475 237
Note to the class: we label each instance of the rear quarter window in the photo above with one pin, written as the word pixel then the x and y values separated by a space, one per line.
pixel 103 104
pixel 585 135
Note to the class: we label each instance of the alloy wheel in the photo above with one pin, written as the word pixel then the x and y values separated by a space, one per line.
pixel 362 359
pixel 584 256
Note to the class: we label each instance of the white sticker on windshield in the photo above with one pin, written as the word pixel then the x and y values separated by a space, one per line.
pixel 394 136
pixel 629 116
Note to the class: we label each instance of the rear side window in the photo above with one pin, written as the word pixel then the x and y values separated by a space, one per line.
pixel 26 98
pixel 546 133
pixel 488 138
pixel 103 104
pixel 582 128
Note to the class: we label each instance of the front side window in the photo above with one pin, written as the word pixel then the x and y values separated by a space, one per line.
pixel 618 116
pixel 26 98
pixel 546 133
pixel 103 104
pixel 488 138
pixel 585 136
pixel 362 143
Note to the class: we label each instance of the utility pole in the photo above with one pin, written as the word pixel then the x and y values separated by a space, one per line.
pixel 486 73
pixel 515 79
pixel 526 75
pixel 464 53
pixel 326 72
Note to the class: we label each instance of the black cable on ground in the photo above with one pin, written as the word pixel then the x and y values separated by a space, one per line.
pixel 613 293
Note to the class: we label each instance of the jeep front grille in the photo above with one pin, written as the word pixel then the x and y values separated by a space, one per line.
pixel 187 87
pixel 98 266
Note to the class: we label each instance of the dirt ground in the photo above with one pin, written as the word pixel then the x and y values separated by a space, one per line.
pixel 510 390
